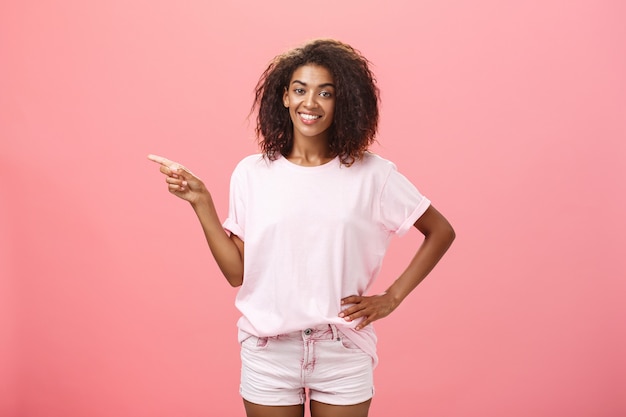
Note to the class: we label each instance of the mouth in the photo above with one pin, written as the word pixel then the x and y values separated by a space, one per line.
pixel 309 118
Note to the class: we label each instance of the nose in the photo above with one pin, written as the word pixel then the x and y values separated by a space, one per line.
pixel 310 100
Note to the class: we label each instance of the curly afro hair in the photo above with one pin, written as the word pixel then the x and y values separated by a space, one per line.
pixel 355 121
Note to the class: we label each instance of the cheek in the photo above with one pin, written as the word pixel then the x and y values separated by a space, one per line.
pixel 293 115
pixel 331 111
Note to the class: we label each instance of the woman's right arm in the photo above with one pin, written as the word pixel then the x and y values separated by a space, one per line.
pixel 227 250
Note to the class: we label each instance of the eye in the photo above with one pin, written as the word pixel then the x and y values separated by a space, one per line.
pixel 298 90
pixel 326 94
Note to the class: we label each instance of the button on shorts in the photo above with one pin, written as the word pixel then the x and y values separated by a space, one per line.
pixel 279 370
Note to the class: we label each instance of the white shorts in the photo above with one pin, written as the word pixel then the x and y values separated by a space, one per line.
pixel 279 370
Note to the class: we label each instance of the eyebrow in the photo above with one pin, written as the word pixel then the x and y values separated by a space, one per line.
pixel 319 86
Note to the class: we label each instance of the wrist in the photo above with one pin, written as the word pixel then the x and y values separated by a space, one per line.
pixel 395 295
pixel 203 200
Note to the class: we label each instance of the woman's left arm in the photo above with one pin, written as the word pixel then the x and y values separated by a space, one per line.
pixel 438 236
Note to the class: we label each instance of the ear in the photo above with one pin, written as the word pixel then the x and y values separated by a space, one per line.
pixel 285 97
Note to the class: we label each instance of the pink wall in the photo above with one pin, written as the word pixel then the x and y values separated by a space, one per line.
pixel 510 116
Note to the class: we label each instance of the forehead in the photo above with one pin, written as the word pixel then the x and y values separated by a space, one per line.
pixel 312 74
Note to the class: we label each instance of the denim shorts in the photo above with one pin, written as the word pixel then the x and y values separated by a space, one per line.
pixel 279 370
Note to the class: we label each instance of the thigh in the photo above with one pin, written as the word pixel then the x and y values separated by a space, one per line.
pixel 342 374
pixel 256 410
pixel 271 371
pixel 319 409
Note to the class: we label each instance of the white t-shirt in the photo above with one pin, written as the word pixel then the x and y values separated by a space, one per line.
pixel 314 235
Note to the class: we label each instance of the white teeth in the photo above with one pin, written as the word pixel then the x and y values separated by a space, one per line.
pixel 309 116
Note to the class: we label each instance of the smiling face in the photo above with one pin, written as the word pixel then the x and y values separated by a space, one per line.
pixel 310 98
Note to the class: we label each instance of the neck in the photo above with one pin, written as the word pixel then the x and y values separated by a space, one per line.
pixel 310 152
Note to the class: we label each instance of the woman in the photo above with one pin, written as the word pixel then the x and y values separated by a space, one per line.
pixel 315 213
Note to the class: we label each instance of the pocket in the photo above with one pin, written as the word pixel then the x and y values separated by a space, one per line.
pixel 254 342
pixel 347 343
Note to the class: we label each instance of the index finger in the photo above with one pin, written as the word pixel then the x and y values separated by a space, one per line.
pixel 351 299
pixel 165 162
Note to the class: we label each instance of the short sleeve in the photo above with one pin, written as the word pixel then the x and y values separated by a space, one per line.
pixel 401 203
pixel 236 220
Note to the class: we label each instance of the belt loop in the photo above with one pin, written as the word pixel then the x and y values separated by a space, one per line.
pixel 335 333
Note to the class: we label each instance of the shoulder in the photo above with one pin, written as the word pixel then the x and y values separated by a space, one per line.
pixel 375 162
pixel 252 162
pixel 251 159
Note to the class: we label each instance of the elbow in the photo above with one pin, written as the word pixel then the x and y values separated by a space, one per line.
pixel 235 280
pixel 234 275
pixel 444 233
pixel 433 225
pixel 451 233
pixel 448 234
pixel 233 272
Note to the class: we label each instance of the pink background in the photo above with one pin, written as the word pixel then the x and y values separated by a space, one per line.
pixel 510 116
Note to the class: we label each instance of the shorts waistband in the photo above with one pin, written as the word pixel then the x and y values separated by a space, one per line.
pixel 323 331
pixel 319 332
